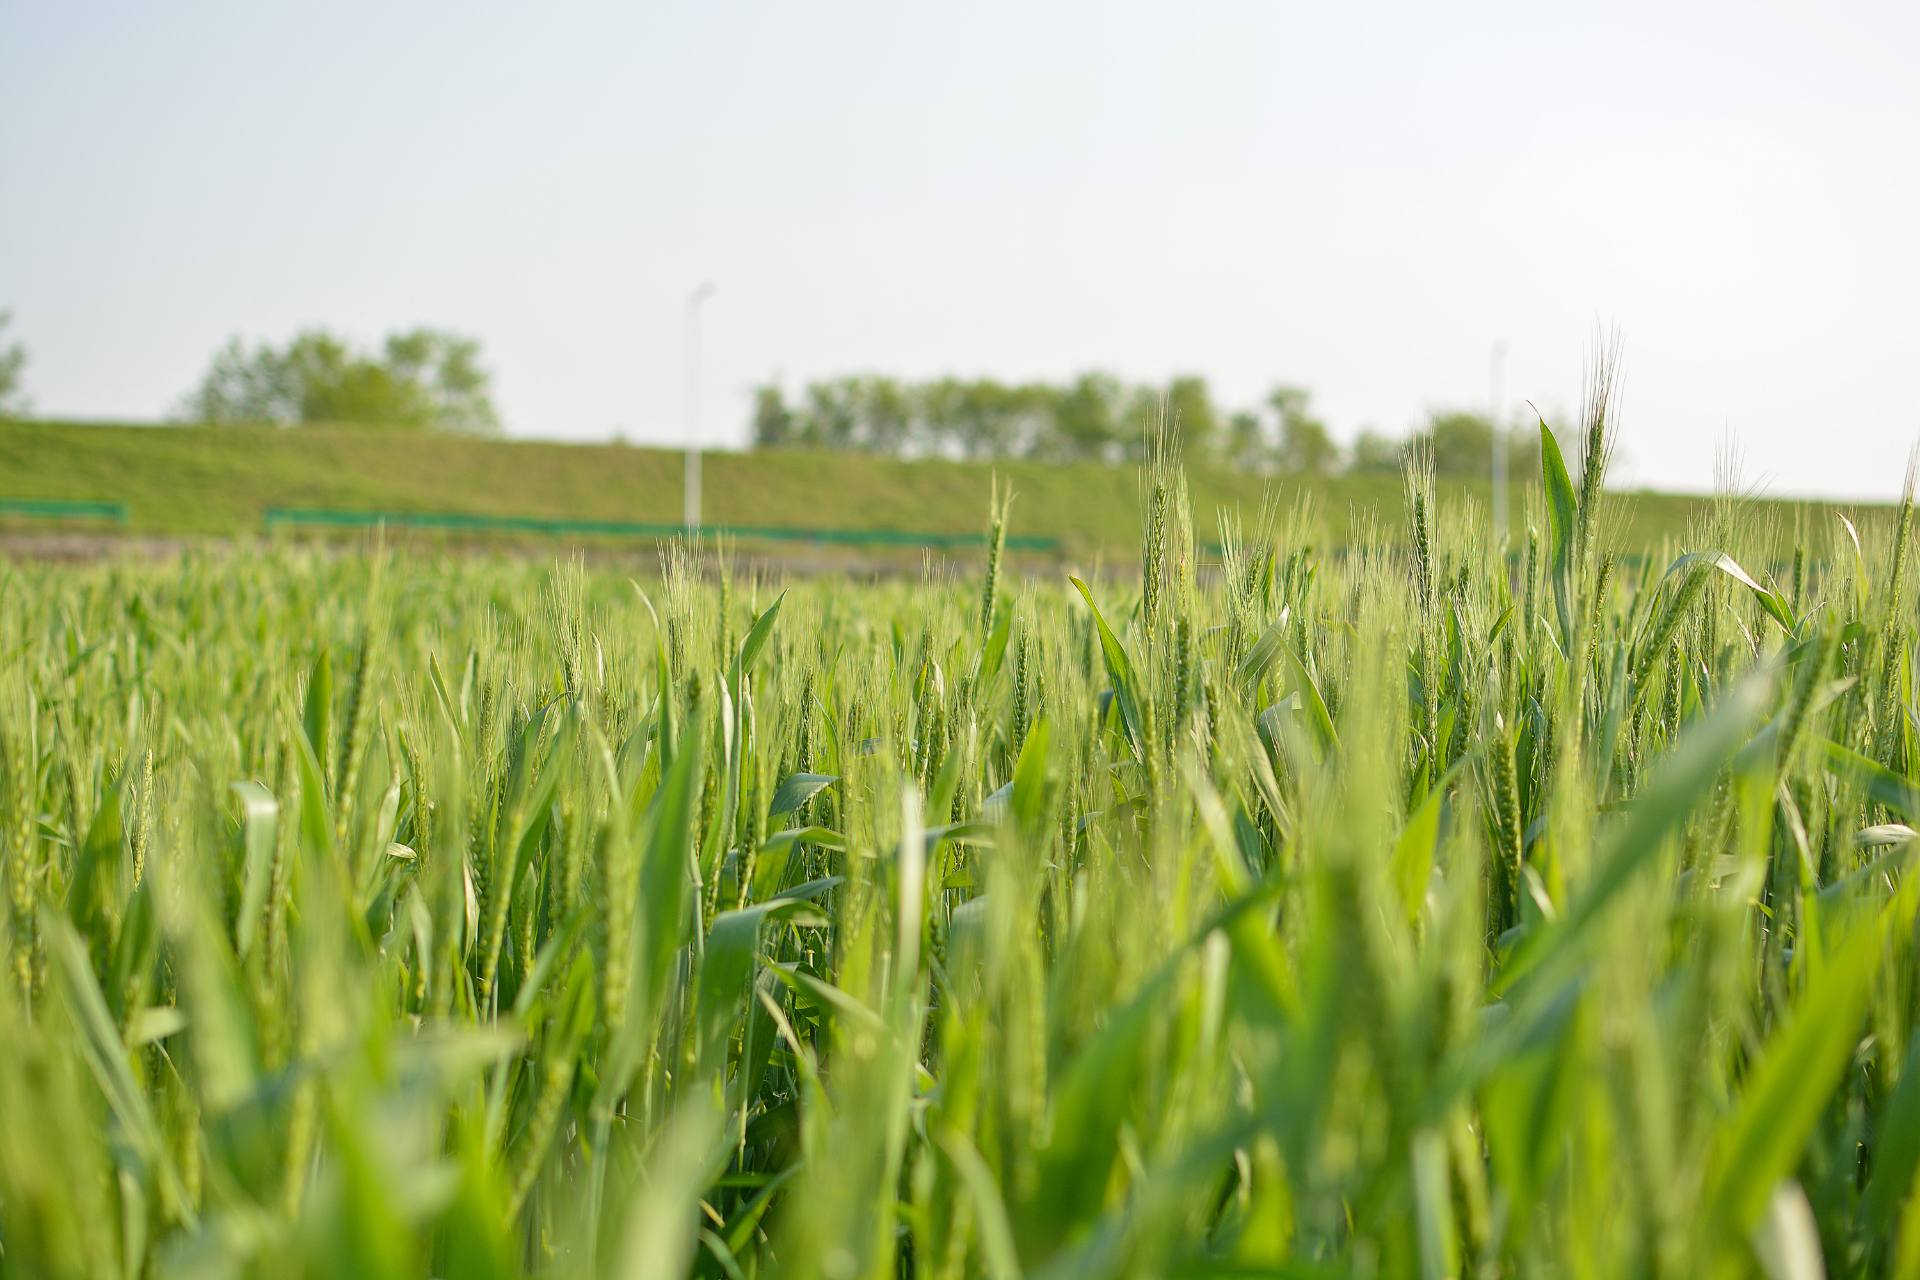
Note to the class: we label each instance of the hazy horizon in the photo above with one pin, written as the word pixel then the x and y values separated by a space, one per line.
pixel 1361 203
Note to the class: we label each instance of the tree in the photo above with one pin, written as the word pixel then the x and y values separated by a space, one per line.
pixel 327 382
pixel 1086 419
pixel 1247 446
pixel 942 408
pixel 887 416
pixel 13 358
pixel 424 379
pixel 832 415
pixel 1461 443
pixel 1095 417
pixel 1374 452
pixel 1190 416
pixel 1306 447
pixel 774 424
pixel 243 386
pixel 447 366
pixel 980 418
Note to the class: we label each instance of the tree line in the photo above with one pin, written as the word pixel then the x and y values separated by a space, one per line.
pixel 416 379
pixel 432 379
pixel 1098 417
pixel 422 379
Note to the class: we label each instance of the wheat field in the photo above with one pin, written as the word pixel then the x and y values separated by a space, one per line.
pixel 1410 906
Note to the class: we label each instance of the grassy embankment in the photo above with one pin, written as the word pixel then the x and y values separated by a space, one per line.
pixel 180 480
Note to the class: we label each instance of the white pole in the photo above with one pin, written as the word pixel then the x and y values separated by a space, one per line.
pixel 694 301
pixel 1496 412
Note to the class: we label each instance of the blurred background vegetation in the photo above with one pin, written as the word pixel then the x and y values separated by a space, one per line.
pixel 431 379
pixel 420 379
pixel 409 425
pixel 1098 418
pixel 13 360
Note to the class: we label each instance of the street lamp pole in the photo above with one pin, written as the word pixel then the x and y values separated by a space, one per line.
pixel 694 302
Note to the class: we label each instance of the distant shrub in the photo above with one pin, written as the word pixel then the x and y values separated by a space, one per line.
pixel 424 379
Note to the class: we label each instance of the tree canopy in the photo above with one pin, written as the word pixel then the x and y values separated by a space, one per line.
pixel 420 379
pixel 1098 417
pixel 13 359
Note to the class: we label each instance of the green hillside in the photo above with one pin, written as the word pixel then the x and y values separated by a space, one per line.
pixel 183 480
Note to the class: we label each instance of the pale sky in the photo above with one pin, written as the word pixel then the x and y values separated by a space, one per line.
pixel 1361 199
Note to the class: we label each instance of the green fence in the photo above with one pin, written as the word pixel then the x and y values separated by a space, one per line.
pixel 60 509
pixel 461 522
